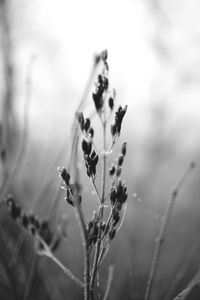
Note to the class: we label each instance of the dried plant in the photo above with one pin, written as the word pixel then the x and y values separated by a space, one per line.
pixel 98 232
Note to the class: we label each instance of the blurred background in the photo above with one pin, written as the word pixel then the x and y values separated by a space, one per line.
pixel 47 51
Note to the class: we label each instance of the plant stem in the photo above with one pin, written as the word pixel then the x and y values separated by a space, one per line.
pixel 47 252
pixel 109 282
pixel 101 211
pixel 86 251
pixel 161 238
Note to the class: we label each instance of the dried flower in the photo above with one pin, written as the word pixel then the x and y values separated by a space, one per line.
pixel 112 170
pixel 119 115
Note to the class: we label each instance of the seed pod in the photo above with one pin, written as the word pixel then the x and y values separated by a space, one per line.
pixel 113 129
pixel 24 220
pixel 104 55
pixel 95 160
pixel 103 226
pixel 111 103
pixel 120 160
pixel 15 211
pixel 69 201
pixel 87 124
pixel 123 149
pixel 90 225
pixel 112 170
pixel 32 230
pixel 91 132
pixel 86 147
pixel 118 206
pixel 112 234
pixel 44 225
pixel 64 175
pixel 116 217
pixel 113 196
pixel 119 170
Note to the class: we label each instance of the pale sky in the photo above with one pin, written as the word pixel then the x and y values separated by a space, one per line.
pixel 64 35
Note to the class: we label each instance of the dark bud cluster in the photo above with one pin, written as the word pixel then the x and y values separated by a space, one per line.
pixel 118 197
pixel 98 95
pixel 86 147
pixel 111 100
pixel 121 160
pixel 72 195
pixel 31 223
pixel 118 194
pixel 85 124
pixel 111 103
pixel 93 229
pixel 119 115
pixel 91 159
pixel 112 170
pixel 116 169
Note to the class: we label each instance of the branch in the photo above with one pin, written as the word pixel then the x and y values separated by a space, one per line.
pixel 162 234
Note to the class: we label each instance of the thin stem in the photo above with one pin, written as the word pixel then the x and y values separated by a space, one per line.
pixel 101 211
pixel 161 237
pixel 96 190
pixel 30 277
pixel 84 235
pixel 47 252
pixel 109 282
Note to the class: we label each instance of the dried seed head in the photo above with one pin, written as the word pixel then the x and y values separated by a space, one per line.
pixel 81 121
pixel 104 55
pixel 112 170
pixel 119 115
pixel 112 234
pixel 86 147
pixel 120 160
pixel 87 124
pixel 32 230
pixel 69 200
pixel 91 161
pixel 25 220
pixel 91 132
pixel 103 226
pixel 116 217
pixel 113 129
pixel 111 103
pixel 15 211
pixel 123 149
pixel 113 196
pixel 64 175
pixel 118 172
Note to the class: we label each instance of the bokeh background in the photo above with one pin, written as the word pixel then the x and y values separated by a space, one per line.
pixel 47 52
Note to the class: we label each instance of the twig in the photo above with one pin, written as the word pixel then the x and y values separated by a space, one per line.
pixel 161 237
pixel 96 190
pixel 47 252
pixel 109 282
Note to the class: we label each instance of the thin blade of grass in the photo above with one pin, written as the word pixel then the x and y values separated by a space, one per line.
pixel 162 233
